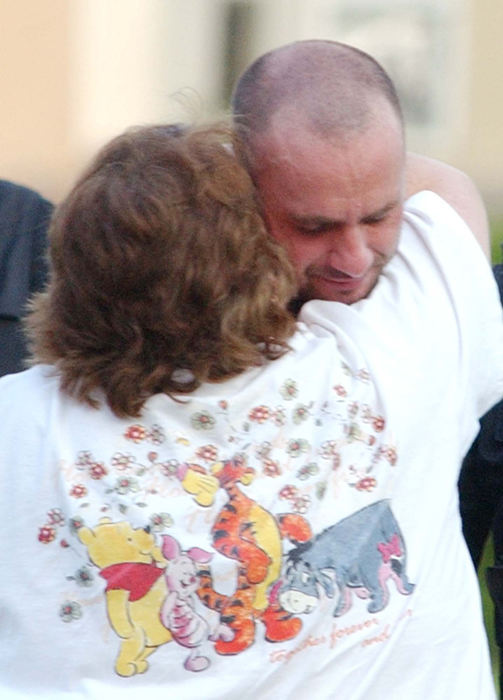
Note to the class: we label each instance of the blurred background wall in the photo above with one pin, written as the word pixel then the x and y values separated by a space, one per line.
pixel 76 72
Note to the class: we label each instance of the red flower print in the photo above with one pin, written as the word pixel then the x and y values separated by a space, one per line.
pixel 288 492
pixel 391 455
pixel 207 452
pixel 97 471
pixel 259 414
pixel 378 423
pixel 78 491
pixel 340 390
pixel 46 534
pixel 136 433
pixel 271 468
pixel 366 484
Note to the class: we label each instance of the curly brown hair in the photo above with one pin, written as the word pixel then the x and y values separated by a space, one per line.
pixel 160 261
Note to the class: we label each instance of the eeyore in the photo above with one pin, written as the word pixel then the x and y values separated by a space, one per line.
pixel 359 553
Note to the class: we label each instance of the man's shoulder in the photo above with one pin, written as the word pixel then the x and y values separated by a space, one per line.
pixel 429 216
pixel 430 206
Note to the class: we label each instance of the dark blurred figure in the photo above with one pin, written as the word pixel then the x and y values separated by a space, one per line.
pixel 481 498
pixel 24 217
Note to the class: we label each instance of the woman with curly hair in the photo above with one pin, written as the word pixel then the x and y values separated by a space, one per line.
pixel 196 486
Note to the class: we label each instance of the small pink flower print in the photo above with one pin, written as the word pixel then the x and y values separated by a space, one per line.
pixel 84 459
pixel 307 470
pixel 371 440
pixel 208 453
pixel 170 468
pixel 156 435
pixel 353 409
pixel 122 462
pixel 279 416
pixel 367 415
pixel 271 468
pixel 97 471
pixel 152 456
pixel 301 504
pixel 300 413
pixel 75 524
pixel 55 516
pixel 64 544
pixel 202 421
pixel 259 414
pixel 378 423
pixel 223 405
pixel 126 485
pixel 70 611
pixel 78 491
pixel 84 577
pixel 136 433
pixel 320 489
pixel 328 449
pixel 289 389
pixel 368 483
pixel 288 492
pixel 263 450
pixel 391 455
pixel 297 447
pixel 46 534
pixel 340 390
pixel 159 521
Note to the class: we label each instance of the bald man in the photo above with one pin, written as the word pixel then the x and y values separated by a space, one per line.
pixel 323 136
pixel 320 129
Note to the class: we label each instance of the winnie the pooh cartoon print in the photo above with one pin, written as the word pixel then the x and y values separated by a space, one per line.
pixel 133 566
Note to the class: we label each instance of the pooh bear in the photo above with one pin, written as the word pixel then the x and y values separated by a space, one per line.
pixel 133 568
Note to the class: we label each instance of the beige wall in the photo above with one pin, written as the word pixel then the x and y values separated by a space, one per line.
pixel 482 153
pixel 34 80
pixel 76 72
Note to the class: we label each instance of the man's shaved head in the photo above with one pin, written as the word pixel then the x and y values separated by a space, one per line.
pixel 330 86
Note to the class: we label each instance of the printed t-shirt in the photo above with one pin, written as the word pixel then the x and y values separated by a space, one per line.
pixel 290 533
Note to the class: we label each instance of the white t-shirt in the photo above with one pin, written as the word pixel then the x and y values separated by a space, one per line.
pixel 292 533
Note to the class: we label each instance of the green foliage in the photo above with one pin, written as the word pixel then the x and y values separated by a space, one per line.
pixel 488 606
pixel 496 226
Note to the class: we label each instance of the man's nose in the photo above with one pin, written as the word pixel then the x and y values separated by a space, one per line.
pixel 349 251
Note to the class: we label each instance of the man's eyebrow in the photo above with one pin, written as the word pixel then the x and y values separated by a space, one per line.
pixel 384 210
pixel 314 221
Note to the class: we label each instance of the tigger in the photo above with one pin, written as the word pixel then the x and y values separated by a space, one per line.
pixel 249 534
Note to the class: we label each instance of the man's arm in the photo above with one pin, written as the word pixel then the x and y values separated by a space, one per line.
pixel 455 187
